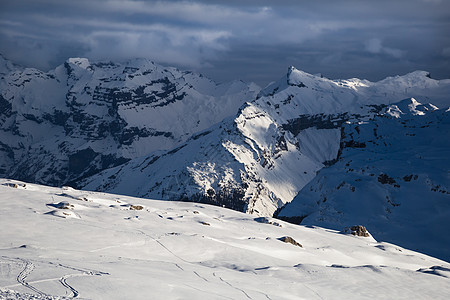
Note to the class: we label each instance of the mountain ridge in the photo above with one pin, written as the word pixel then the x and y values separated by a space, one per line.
pixel 137 128
pixel 275 144
pixel 392 176
pixel 83 117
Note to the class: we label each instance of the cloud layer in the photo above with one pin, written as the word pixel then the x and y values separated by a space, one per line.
pixel 252 40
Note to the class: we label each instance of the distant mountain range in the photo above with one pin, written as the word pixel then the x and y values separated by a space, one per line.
pixel 392 176
pixel 82 117
pixel 259 160
pixel 344 152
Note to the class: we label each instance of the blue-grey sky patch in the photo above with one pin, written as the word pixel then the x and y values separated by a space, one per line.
pixel 248 39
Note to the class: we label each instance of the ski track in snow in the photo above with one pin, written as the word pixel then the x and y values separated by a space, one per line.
pixel 29 267
pixel 199 276
pixel 63 281
pixel 234 287
pixel 197 264
pixel 315 293
pixel 165 248
pixel 193 263
pixel 207 292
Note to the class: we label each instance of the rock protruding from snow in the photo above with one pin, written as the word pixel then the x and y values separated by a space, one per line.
pixel 357 230
pixel 288 239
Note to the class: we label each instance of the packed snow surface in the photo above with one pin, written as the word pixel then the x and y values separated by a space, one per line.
pixel 59 243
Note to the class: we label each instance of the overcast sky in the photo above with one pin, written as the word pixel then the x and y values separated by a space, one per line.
pixel 225 40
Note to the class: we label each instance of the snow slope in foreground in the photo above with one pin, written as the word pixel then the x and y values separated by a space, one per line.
pixel 60 242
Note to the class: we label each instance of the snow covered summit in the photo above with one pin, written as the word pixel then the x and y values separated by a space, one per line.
pixel 82 117
pixel 260 159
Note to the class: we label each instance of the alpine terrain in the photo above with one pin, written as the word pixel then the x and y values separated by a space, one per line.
pixel 80 118
pixel 305 149
pixel 392 176
pixel 273 146
pixel 348 151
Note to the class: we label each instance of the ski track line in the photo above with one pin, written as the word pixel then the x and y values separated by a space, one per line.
pixel 266 295
pixel 235 287
pixel 199 276
pixel 28 267
pixel 312 290
pixel 178 266
pixel 167 249
pixel 84 271
pixel 36 281
pixel 63 281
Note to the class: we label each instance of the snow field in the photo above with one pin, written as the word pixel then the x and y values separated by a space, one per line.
pixel 124 247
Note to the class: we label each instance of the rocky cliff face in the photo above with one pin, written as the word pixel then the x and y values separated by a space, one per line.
pixel 391 176
pixel 259 160
pixel 81 118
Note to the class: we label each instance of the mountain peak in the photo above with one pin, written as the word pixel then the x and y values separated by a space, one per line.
pixel 409 106
pixel 80 62
pixel 419 73
pixel 413 78
pixel 293 73
pixel 299 78
pixel 104 113
pixel 290 70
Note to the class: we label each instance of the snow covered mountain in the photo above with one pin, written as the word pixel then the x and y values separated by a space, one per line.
pixel 349 151
pixel 259 160
pixel 83 117
pixel 62 243
pixel 392 176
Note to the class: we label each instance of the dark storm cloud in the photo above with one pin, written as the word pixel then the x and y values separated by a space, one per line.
pixel 252 40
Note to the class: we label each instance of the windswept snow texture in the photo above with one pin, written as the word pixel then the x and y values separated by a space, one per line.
pixel 128 248
pixel 84 117
pixel 260 159
pixel 392 177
